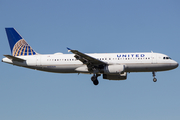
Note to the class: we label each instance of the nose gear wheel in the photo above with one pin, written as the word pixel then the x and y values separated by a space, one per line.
pixel 154 79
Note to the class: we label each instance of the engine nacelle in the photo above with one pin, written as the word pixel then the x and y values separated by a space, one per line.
pixel 113 69
pixel 115 76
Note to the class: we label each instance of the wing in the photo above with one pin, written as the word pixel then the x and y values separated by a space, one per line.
pixel 86 59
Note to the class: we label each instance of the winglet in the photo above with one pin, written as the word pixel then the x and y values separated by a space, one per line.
pixel 69 50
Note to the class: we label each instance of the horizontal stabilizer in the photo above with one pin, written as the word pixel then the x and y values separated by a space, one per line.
pixel 14 58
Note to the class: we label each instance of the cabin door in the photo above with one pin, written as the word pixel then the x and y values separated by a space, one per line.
pixel 153 58
pixel 38 61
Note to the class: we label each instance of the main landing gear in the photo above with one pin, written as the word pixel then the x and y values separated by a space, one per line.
pixel 154 79
pixel 94 79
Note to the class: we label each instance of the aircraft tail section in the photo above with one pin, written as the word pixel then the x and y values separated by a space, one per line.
pixel 14 58
pixel 18 46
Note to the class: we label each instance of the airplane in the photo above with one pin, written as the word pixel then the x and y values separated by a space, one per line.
pixel 112 66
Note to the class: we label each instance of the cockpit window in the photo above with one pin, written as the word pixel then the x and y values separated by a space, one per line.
pixel 166 58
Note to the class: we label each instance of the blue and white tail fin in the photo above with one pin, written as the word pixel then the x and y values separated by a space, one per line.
pixel 18 46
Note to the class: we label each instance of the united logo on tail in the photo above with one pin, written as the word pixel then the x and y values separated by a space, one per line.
pixel 19 47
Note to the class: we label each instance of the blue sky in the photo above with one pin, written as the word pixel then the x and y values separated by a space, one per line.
pixel 91 26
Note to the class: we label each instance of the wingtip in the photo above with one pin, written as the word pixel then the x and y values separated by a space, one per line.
pixel 68 49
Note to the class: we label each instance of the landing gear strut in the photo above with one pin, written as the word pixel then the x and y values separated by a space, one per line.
pixel 154 79
pixel 94 79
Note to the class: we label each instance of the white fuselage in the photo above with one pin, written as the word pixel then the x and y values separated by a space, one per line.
pixel 67 63
pixel 112 66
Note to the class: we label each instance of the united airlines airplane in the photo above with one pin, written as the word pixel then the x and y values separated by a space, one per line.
pixel 112 66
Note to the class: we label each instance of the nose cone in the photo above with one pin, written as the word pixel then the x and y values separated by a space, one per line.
pixel 175 64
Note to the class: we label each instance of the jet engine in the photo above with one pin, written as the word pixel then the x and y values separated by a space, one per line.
pixel 113 69
pixel 115 76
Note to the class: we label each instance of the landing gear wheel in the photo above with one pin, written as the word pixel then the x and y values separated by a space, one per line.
pixel 96 82
pixel 93 78
pixel 154 79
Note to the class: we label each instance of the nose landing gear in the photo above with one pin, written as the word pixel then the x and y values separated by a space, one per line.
pixel 154 79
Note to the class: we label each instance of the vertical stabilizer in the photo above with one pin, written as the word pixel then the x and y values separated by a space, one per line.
pixel 18 46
